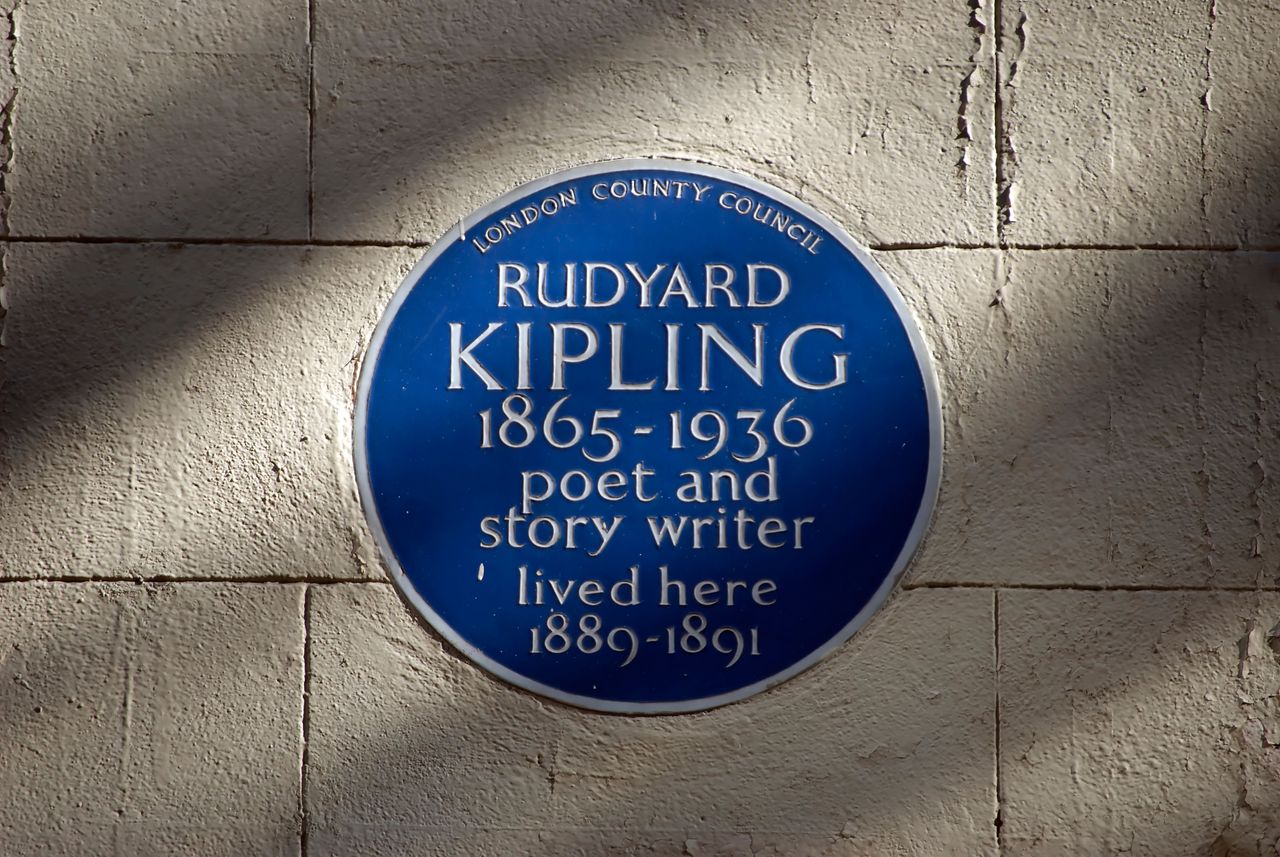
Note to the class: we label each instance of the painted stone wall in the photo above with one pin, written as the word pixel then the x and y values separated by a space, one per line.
pixel 205 206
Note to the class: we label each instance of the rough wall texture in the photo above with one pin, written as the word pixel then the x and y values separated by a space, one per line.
pixel 205 206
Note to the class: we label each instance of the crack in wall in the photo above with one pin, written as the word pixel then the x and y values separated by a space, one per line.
pixel 305 726
pixel 9 70
pixel 1110 544
pixel 4 299
pixel 1206 101
pixel 1004 275
pixel 10 73
pixel 1007 189
pixel 125 633
pixel 971 80
pixel 311 118
pixel 808 54
pixel 1204 478
pixel 999 782
pixel 1259 467
pixel 548 763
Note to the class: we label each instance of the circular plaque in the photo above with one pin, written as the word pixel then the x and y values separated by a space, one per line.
pixel 647 436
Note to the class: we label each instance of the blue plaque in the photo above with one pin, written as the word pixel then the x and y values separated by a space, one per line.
pixel 647 436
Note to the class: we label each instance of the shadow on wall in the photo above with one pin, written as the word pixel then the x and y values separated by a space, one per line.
pixel 116 337
pixel 150 720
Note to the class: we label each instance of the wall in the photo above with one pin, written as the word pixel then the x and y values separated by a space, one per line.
pixel 205 206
